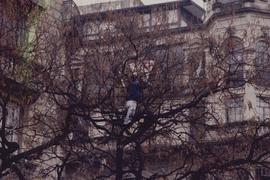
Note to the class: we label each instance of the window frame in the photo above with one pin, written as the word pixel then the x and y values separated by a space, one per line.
pixel 234 56
pixel 262 62
pixel 197 55
pixel 13 120
pixel 230 105
pixel 263 103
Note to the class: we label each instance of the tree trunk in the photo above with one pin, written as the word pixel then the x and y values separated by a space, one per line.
pixel 119 160
pixel 140 161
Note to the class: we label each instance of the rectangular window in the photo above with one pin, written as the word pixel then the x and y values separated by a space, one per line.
pixel 159 18
pixel 236 70
pixel 234 54
pixel 12 121
pixel 172 16
pixel 75 77
pixel 171 65
pixel 234 109
pixel 262 63
pixel 262 173
pixel 196 63
pixel 145 21
pixel 263 108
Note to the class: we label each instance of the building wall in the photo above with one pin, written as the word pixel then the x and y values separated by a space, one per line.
pixel 39 29
pixel 110 5
pixel 249 23
pixel 249 27
pixel 43 118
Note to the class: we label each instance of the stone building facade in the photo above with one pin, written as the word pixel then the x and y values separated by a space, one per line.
pixel 238 26
pixel 113 5
pixel 193 37
pixel 28 35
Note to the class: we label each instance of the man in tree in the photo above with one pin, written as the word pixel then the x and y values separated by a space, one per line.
pixel 135 87
pixel 134 94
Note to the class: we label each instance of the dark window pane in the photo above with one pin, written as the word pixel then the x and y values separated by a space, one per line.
pixel 234 109
pixel 262 63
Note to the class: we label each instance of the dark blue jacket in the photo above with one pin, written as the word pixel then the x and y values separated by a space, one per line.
pixel 134 91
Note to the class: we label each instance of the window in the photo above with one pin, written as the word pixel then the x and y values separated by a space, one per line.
pixel 75 77
pixel 262 173
pixel 171 66
pixel 175 61
pixel 159 17
pixel 234 55
pixel 196 63
pixel 262 63
pixel 263 108
pixel 12 120
pixel 145 21
pixel 234 109
pixel 79 129
pixel 176 53
pixel 176 71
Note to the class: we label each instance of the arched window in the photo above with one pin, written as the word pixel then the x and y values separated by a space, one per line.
pixel 262 63
pixel 234 56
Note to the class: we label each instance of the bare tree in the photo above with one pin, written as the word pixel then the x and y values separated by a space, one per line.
pixel 32 62
pixel 187 100
pixel 192 121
